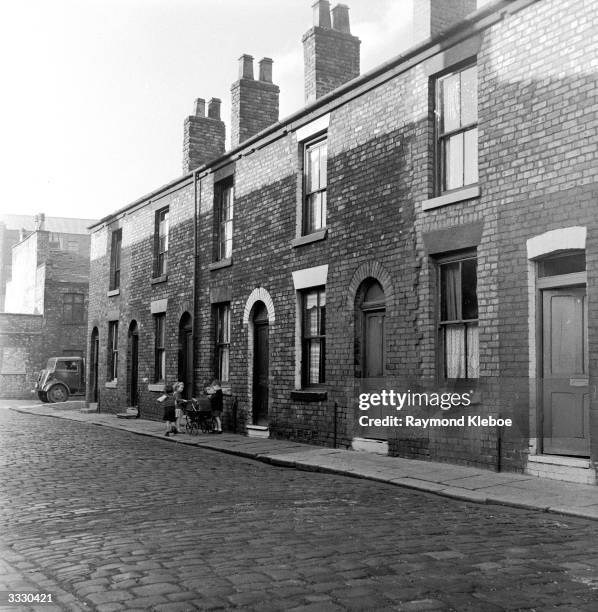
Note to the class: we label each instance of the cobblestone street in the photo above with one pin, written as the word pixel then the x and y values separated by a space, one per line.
pixel 106 520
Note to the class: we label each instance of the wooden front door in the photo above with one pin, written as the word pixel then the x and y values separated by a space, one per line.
pixel 260 373
pixel 188 364
pixel 565 390
pixel 133 390
pixel 373 366
pixel 93 369
pixel 185 355
pixel 373 369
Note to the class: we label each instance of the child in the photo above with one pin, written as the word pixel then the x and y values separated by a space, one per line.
pixel 169 411
pixel 179 402
pixel 216 397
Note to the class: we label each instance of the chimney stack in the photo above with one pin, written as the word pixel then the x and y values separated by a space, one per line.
pixel 40 221
pixel 203 138
pixel 254 104
pixel 331 52
pixel 432 17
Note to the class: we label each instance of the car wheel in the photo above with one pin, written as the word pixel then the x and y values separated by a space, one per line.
pixel 42 396
pixel 58 393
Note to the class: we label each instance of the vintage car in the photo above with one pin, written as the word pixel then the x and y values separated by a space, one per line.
pixel 62 377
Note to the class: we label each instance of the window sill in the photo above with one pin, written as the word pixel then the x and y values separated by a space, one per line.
pixel 113 292
pixel 159 279
pixel 452 197
pixel 306 395
pixel 223 263
pixel 111 384
pixel 309 238
pixel 159 387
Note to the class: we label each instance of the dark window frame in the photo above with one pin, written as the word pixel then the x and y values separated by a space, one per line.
pixel 112 369
pixel 309 224
pixel 73 308
pixel 223 326
pixel 442 136
pixel 162 227
pixel 308 339
pixel 115 259
pixel 160 347
pixel 225 201
pixel 445 321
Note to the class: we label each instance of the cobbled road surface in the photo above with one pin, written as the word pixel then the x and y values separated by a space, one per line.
pixel 107 520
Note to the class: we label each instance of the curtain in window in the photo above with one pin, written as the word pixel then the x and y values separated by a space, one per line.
pixel 224 363
pixel 311 314
pixel 451 102
pixel 473 352
pixel 314 361
pixel 454 342
pixel 450 293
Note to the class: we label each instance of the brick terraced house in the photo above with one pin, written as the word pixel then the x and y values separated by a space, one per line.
pixel 428 227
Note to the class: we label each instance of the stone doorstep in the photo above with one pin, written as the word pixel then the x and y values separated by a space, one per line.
pixel 367 445
pixel 130 413
pixel 556 467
pixel 258 431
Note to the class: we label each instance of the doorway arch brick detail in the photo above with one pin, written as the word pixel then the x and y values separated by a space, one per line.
pixel 371 269
pixel 259 294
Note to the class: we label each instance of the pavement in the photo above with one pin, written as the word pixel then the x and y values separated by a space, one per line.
pixel 452 481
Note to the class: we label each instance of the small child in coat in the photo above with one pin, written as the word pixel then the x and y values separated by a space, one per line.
pixel 169 412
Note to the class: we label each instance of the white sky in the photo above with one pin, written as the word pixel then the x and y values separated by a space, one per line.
pixel 96 91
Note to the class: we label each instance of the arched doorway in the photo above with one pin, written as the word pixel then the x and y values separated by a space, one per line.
pixel 133 365
pixel 185 356
pixel 260 321
pixel 372 311
pixel 370 354
pixel 93 366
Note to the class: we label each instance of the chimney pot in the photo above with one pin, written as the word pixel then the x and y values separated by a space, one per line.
pixel 246 67
pixel 331 55
pixel 203 137
pixel 322 13
pixel 266 70
pixel 214 108
pixel 254 104
pixel 340 18
pixel 200 107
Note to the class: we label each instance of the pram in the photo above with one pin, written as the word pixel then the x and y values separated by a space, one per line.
pixel 198 416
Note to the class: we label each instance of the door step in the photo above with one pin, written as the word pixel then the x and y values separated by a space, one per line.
pixel 368 445
pixel 557 467
pixel 130 413
pixel 258 431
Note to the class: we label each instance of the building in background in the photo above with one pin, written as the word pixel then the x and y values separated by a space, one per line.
pixel 428 227
pixel 45 294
